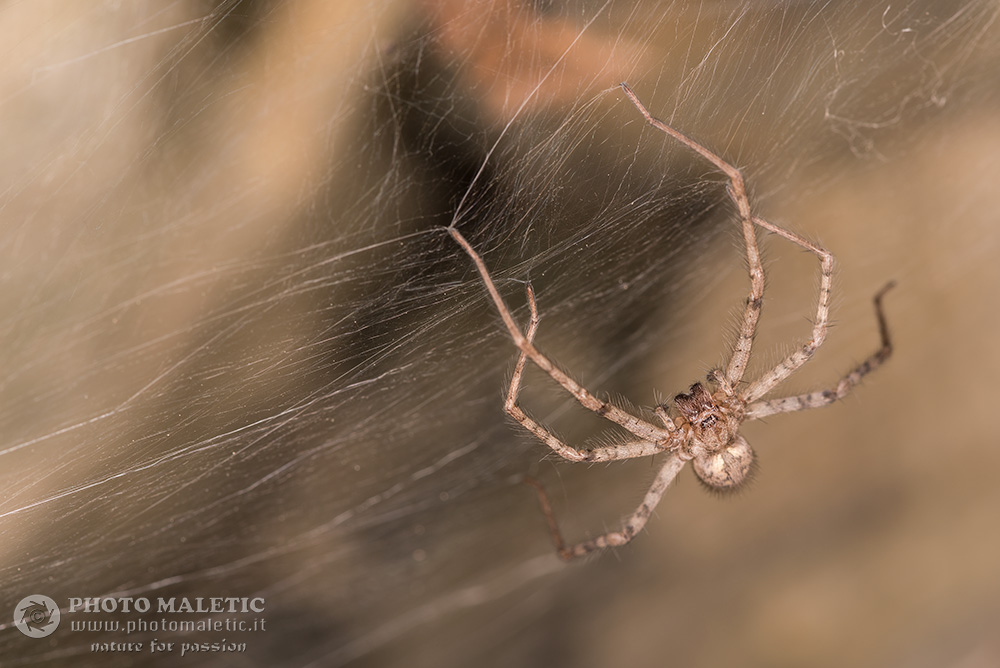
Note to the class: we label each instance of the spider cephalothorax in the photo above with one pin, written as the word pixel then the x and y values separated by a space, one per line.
pixel 706 429
pixel 722 458
pixel 712 423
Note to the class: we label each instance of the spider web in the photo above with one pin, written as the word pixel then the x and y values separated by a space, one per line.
pixel 242 358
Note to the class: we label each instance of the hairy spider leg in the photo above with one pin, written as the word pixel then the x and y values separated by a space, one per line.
pixel 630 527
pixel 640 428
pixel 741 350
pixel 738 193
pixel 761 409
pixel 791 364
pixel 603 454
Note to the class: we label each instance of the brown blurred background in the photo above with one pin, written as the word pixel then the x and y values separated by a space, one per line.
pixel 242 359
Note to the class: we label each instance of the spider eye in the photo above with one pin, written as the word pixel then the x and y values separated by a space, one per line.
pixel 727 469
pixel 708 422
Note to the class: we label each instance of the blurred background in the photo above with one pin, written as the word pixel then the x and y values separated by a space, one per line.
pixel 241 357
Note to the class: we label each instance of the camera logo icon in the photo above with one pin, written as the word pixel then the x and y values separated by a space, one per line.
pixel 36 616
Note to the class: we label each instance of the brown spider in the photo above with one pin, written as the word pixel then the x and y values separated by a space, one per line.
pixel 706 422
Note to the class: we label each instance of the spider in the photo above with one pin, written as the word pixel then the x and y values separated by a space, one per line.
pixel 703 426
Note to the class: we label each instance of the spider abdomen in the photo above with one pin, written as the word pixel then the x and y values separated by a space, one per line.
pixel 727 468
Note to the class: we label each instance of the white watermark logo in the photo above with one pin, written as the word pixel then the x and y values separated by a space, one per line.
pixel 36 616
pixel 181 625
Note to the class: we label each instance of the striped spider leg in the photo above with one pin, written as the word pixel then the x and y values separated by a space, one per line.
pixel 702 426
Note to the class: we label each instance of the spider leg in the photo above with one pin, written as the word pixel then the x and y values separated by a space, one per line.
pixel 640 428
pixel 738 193
pixel 603 454
pixel 790 364
pixel 761 409
pixel 751 313
pixel 633 525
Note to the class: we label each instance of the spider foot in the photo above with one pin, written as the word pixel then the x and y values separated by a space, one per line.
pixel 543 500
pixel 881 293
